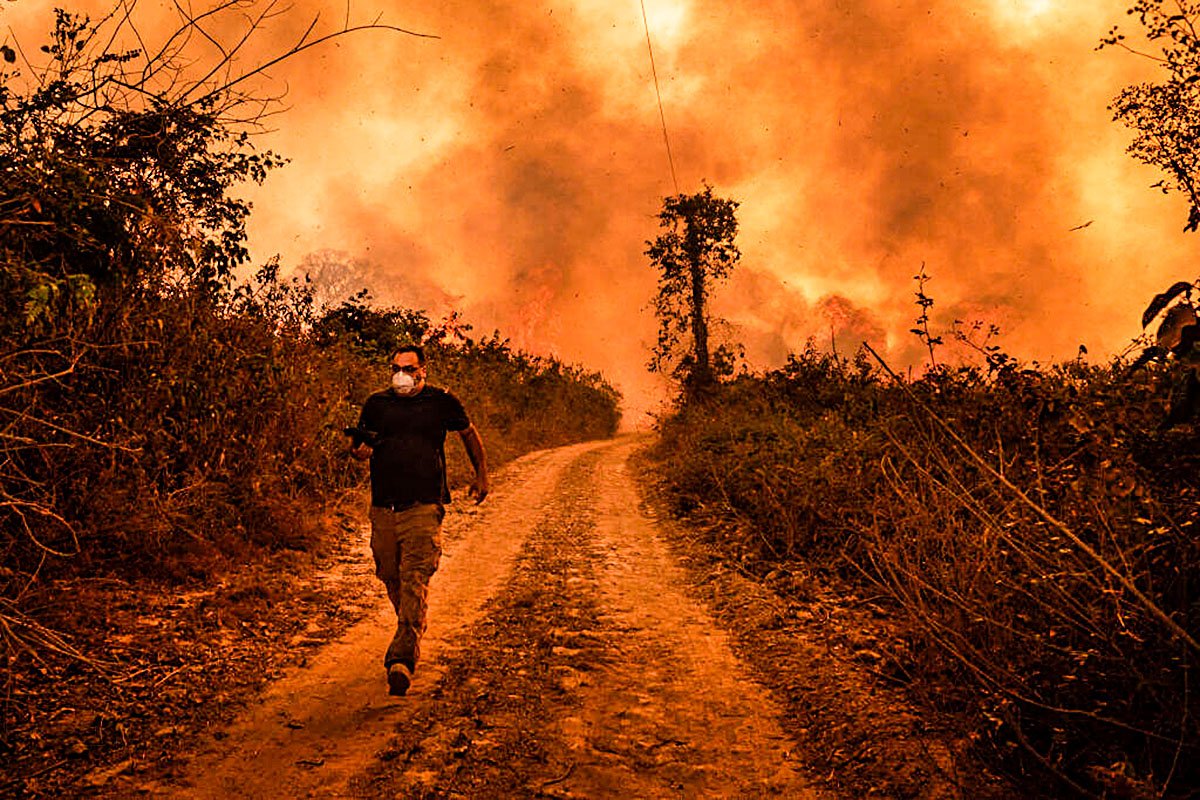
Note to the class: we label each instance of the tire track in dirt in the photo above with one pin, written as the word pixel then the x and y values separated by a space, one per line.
pixel 318 726
pixel 680 712
pixel 592 674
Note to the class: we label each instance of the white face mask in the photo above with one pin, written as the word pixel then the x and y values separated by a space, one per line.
pixel 403 383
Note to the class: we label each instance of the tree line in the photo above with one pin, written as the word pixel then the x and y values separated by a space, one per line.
pixel 153 398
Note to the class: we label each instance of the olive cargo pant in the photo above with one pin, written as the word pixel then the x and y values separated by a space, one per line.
pixel 407 546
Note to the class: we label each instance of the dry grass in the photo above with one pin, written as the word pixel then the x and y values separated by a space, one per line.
pixel 1037 527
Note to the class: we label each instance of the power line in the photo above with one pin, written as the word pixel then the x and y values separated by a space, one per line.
pixel 662 117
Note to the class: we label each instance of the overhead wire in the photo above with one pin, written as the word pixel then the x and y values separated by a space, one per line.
pixel 658 94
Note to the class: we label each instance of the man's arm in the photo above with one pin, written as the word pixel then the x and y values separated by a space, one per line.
pixel 474 445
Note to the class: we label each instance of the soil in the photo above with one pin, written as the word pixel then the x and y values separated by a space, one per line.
pixel 580 644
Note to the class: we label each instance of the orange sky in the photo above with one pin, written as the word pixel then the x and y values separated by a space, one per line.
pixel 512 168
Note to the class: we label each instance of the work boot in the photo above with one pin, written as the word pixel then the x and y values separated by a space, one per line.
pixel 399 679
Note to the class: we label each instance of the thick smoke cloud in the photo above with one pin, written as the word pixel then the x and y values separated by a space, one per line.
pixel 512 169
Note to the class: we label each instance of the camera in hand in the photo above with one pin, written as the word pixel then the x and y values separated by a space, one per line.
pixel 360 436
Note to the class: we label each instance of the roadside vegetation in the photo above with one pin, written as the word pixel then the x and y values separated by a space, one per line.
pixel 1035 529
pixel 166 425
pixel 152 401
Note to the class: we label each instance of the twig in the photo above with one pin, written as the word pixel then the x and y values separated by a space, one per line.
pixel 300 47
pixel 45 637
pixel 78 435
pixel 43 378
pixel 21 779
pixel 560 778
pixel 1187 705
pixel 172 674
pixel 1043 760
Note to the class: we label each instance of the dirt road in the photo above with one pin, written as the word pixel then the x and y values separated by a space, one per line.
pixel 564 658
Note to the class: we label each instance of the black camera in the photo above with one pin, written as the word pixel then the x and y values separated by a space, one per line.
pixel 359 436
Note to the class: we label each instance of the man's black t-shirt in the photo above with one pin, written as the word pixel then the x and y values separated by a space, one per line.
pixel 408 460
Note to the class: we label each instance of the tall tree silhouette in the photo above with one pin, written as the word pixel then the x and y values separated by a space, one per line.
pixel 695 249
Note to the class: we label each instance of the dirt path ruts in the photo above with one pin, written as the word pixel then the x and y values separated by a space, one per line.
pixel 320 725
pixel 677 707
pixel 578 667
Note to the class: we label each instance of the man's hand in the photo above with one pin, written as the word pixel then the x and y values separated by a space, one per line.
pixel 479 488
pixel 361 441
pixel 474 445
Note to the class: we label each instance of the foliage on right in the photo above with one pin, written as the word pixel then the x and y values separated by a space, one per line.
pixel 1043 622
pixel 1035 529
pixel 1165 116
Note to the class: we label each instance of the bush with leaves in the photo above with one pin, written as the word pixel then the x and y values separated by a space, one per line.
pixel 520 402
pixel 148 398
pixel 114 213
pixel 1035 526
pixel 1166 115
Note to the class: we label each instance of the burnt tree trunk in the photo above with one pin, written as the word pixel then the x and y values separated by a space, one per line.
pixel 702 372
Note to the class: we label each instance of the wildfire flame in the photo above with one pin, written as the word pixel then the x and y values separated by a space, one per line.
pixel 512 169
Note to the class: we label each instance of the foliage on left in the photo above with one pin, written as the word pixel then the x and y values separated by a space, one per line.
pixel 164 421
pixel 151 403
pixel 118 240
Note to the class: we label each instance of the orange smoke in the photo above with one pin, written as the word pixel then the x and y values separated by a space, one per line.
pixel 512 168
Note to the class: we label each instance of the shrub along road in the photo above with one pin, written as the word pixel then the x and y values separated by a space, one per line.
pixel 570 653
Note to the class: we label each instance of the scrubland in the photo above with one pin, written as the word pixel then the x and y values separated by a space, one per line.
pixel 151 437
pixel 1034 531
pixel 173 474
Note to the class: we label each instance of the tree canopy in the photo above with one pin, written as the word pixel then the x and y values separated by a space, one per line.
pixel 1165 115
pixel 695 250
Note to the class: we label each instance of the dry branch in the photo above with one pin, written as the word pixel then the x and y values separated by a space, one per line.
pixel 1149 605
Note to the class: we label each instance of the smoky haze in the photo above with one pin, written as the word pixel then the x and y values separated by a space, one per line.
pixel 512 169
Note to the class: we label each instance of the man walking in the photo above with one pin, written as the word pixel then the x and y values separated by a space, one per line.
pixel 403 431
